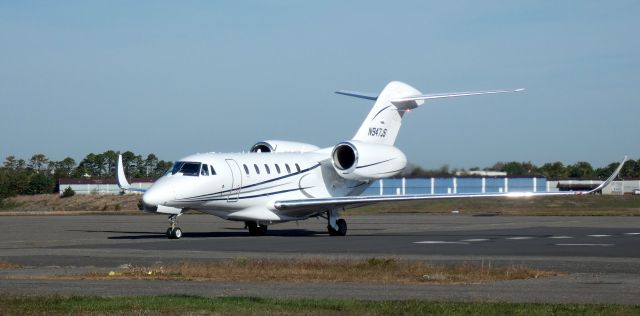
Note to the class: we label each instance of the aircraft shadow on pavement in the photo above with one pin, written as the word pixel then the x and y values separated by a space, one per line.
pixel 240 232
pixel 231 232
pixel 133 234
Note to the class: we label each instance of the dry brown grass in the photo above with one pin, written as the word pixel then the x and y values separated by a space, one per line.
pixel 321 270
pixel 590 205
pixel 8 265
pixel 593 205
pixel 52 204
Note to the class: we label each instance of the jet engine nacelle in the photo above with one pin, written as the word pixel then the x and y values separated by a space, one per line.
pixel 282 146
pixel 361 161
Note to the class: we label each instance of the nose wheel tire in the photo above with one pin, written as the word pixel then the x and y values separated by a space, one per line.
pixel 174 233
pixel 342 228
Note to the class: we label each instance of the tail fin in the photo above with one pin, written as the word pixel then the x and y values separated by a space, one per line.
pixel 385 118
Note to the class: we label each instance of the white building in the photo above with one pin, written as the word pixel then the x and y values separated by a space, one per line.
pixel 482 173
pixel 101 186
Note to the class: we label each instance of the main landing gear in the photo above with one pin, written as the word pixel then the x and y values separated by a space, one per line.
pixel 337 226
pixel 255 229
pixel 174 232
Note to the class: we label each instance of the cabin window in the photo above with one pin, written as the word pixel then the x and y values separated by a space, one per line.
pixel 205 170
pixel 287 166
pixel 298 167
pixel 278 168
pixel 246 169
pixel 186 168
pixel 257 169
pixel 213 171
pixel 266 167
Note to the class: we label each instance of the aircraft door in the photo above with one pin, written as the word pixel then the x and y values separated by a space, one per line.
pixel 236 180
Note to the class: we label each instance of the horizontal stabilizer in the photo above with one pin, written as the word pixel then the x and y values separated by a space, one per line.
pixel 361 95
pixel 449 95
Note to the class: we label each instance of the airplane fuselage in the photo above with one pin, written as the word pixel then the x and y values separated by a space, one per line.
pixel 244 186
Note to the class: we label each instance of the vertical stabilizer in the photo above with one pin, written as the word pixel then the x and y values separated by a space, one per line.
pixel 383 122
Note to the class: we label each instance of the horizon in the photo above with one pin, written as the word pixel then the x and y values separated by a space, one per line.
pixel 410 164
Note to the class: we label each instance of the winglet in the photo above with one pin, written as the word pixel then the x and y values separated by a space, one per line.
pixel 610 179
pixel 120 177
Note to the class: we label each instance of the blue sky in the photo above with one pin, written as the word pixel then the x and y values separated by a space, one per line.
pixel 179 77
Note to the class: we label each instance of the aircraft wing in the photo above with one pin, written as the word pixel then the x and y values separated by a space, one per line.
pixel 122 179
pixel 293 207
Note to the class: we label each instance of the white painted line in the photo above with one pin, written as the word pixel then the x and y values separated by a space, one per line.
pixel 560 237
pixel 598 236
pixel 476 239
pixel 433 242
pixel 519 238
pixel 601 245
pixel 632 233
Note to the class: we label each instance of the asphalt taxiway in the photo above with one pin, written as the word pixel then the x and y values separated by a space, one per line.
pixel 602 254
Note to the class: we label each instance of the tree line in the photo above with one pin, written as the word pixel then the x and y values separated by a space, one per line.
pixel 553 170
pixel 40 175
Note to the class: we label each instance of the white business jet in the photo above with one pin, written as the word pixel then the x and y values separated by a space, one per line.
pixel 281 181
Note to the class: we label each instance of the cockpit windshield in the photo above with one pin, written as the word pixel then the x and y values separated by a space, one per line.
pixel 186 168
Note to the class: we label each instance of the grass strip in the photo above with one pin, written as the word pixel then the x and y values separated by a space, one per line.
pixel 58 305
pixel 374 270
pixel 52 204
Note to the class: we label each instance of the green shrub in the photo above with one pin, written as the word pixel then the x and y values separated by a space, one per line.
pixel 68 192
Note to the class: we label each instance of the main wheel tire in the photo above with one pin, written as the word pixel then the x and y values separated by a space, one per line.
pixel 342 228
pixel 168 232
pixel 255 230
pixel 176 233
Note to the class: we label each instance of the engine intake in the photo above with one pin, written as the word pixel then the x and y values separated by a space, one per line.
pixel 262 147
pixel 282 146
pixel 345 156
pixel 362 161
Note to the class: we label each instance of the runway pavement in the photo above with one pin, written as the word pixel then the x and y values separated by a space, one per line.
pixel 601 251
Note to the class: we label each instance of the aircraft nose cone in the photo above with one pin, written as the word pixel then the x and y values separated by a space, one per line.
pixel 157 195
pixel 151 198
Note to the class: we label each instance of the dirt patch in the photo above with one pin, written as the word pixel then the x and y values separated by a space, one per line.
pixel 8 265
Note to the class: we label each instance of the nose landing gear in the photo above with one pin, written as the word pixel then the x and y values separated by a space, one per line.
pixel 174 232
